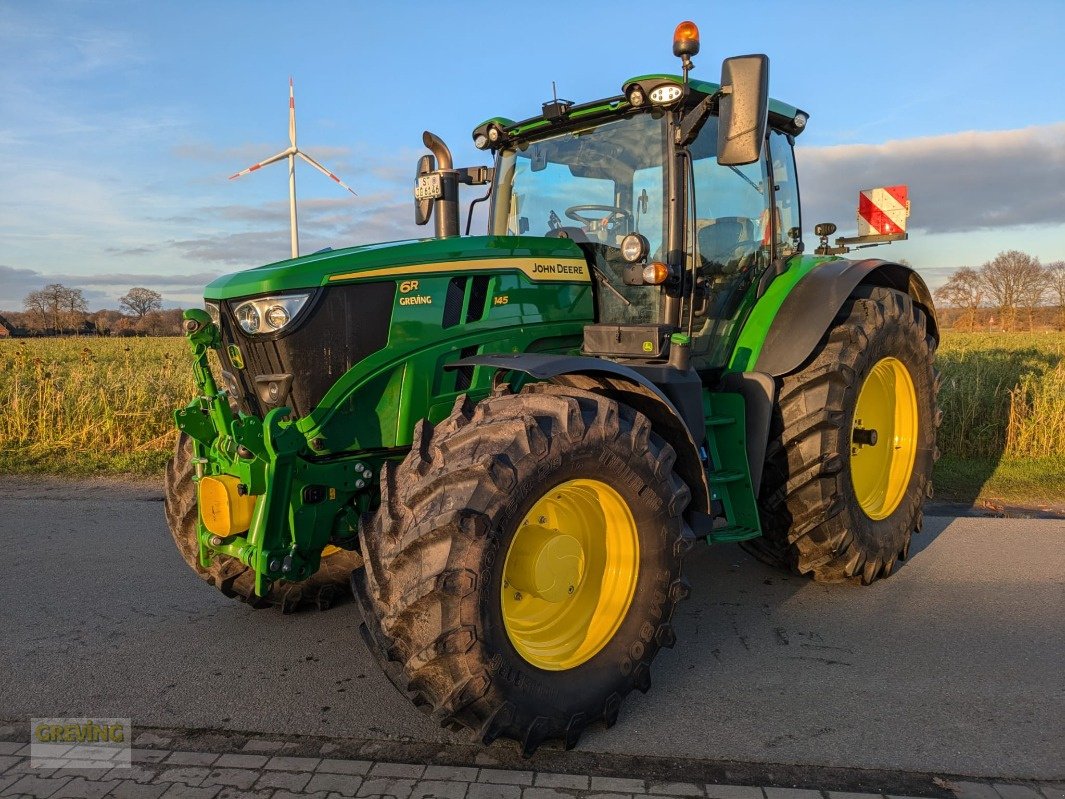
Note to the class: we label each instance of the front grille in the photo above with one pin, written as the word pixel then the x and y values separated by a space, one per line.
pixel 343 325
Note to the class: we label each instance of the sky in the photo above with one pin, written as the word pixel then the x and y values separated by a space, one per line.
pixel 120 122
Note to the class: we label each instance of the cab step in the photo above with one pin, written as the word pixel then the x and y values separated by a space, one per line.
pixel 730 476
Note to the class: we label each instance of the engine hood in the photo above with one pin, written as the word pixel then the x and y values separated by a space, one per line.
pixel 321 268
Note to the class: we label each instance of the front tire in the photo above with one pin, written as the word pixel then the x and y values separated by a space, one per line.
pixel 453 600
pixel 852 445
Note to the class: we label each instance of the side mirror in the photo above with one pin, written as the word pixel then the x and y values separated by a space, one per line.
pixel 743 109
pixel 423 204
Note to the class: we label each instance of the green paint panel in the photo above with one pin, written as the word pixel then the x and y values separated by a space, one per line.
pixel 752 335
pixel 312 271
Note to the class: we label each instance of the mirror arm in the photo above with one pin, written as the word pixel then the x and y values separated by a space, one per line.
pixel 476 175
pixel 469 215
pixel 694 120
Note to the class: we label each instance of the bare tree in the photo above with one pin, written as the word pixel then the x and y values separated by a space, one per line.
pixel 56 306
pixel 1056 281
pixel 1033 293
pixel 38 308
pixel 75 309
pixel 1012 280
pixel 140 301
pixel 964 290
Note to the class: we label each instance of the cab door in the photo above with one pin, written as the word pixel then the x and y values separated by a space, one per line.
pixel 731 246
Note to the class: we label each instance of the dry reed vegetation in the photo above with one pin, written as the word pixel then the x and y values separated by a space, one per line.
pixel 90 405
pixel 1003 394
pixel 85 405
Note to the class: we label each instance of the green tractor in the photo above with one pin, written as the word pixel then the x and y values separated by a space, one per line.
pixel 504 445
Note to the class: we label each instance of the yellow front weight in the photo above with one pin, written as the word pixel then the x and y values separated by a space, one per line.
pixel 224 510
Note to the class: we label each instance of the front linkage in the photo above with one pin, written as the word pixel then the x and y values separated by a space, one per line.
pixel 261 500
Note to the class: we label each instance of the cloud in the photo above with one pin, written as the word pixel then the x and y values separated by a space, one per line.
pixel 317 211
pixel 130 250
pixel 249 248
pixel 957 182
pixel 323 223
pixel 44 42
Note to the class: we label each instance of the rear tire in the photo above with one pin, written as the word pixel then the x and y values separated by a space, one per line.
pixel 329 586
pixel 432 589
pixel 814 520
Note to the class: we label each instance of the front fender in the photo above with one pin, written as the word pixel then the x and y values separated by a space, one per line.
pixel 624 385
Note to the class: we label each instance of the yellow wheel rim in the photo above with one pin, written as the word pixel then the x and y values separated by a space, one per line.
pixel 570 574
pixel 884 438
pixel 329 550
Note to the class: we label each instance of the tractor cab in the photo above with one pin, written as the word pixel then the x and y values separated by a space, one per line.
pixel 680 193
pixel 611 185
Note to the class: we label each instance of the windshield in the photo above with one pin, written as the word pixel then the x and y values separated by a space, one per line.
pixel 605 180
pixel 594 186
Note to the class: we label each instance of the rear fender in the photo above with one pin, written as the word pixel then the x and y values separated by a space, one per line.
pixel 625 385
pixel 811 305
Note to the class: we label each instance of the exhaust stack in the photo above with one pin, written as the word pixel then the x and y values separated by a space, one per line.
pixel 437 188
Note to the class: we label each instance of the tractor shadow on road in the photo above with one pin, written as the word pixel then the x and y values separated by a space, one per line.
pixel 753 640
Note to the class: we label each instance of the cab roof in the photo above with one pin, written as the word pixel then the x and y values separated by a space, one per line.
pixel 782 116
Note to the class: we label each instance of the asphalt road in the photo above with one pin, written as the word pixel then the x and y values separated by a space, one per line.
pixel 954 665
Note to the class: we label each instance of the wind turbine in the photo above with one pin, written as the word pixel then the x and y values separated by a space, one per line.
pixel 291 153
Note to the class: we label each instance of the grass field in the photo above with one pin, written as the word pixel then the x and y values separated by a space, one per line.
pixel 82 406
pixel 1003 402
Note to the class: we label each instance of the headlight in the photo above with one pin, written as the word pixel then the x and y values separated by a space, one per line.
pixel 276 317
pixel 214 311
pixel 634 248
pixel 269 314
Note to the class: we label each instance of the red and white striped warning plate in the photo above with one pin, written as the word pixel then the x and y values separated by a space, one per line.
pixel 883 210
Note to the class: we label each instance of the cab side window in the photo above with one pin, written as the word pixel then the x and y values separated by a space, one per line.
pixel 785 195
pixel 731 212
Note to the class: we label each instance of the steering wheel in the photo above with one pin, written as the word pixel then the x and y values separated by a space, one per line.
pixel 613 211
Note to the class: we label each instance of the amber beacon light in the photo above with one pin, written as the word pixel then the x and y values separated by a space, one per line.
pixel 686 39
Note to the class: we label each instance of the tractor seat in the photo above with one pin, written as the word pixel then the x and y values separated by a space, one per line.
pixel 719 242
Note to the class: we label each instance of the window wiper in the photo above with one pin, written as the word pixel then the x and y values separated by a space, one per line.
pixel 753 185
pixel 606 282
